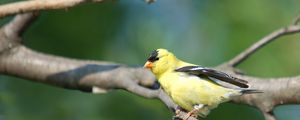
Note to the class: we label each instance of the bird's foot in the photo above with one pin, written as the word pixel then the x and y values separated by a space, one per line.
pixel 178 110
pixel 191 114
pixel 177 114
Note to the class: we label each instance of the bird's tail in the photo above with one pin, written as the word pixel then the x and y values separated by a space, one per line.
pixel 250 91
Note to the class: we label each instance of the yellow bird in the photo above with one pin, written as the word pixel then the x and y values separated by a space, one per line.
pixel 194 88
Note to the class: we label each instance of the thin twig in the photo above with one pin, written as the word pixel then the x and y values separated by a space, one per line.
pixel 269 116
pixel 150 1
pixel 17 26
pixel 36 5
pixel 264 41
pixel 296 20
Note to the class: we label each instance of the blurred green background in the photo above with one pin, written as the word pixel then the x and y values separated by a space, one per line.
pixel 199 31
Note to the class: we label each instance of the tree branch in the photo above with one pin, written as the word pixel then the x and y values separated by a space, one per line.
pixel 150 1
pixel 94 76
pixel 36 5
pixel 17 26
pixel 261 43
pixel 79 74
pixel 269 116
pixel 11 32
pixel 276 91
pixel 85 75
pixel 296 20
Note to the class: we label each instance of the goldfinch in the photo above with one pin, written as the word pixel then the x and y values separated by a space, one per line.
pixel 194 88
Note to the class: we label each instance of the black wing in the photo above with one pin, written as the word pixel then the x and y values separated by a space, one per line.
pixel 211 73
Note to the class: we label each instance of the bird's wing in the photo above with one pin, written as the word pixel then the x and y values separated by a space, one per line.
pixel 213 75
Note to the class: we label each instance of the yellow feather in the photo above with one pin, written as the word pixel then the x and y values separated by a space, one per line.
pixel 187 90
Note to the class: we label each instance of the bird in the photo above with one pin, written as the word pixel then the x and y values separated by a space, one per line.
pixel 195 89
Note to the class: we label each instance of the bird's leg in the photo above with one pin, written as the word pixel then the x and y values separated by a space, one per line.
pixel 177 112
pixel 192 112
pixel 189 114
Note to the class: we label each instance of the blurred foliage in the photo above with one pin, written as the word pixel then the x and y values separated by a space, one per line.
pixel 201 32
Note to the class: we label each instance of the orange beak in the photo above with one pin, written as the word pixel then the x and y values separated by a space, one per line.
pixel 148 65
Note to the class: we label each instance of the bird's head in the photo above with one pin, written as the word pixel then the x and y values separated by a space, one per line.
pixel 160 61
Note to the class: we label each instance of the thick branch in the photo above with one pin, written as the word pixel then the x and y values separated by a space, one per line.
pixel 79 74
pixel 36 5
pixel 276 91
pixel 70 73
pixel 90 76
pixel 261 43
pixel 83 75
pixel 17 60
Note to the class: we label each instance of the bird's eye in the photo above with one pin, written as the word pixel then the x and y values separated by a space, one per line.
pixel 156 59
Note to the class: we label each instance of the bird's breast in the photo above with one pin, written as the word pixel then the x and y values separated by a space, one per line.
pixel 188 90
